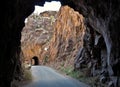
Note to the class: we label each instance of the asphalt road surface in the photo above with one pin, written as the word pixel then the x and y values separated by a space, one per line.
pixel 46 77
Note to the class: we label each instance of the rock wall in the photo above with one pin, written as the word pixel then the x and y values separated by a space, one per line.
pixel 13 14
pixel 68 36
pixel 101 40
pixel 36 34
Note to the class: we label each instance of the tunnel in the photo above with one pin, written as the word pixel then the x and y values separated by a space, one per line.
pixel 100 15
pixel 35 60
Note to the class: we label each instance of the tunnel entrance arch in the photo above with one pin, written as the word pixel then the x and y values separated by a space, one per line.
pixel 13 20
pixel 35 60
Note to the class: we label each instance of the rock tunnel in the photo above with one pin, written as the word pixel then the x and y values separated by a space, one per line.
pixel 35 60
pixel 102 20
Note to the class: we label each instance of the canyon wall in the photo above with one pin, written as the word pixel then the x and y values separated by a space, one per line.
pixel 60 34
pixel 68 36
pixel 36 34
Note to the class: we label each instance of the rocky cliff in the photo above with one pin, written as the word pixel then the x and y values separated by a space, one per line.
pixel 37 32
pixel 68 36
pixel 60 34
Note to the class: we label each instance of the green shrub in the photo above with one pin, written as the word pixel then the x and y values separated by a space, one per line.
pixel 79 75
pixel 70 72
pixel 27 75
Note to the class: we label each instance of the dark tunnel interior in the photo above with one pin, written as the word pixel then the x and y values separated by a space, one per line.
pixel 36 60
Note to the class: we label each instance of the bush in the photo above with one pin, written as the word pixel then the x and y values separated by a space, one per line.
pixel 27 75
pixel 70 72
pixel 79 75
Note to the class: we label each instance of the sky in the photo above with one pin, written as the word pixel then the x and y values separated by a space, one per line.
pixel 48 6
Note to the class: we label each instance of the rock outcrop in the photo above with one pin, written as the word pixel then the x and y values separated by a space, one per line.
pixel 68 36
pixel 37 32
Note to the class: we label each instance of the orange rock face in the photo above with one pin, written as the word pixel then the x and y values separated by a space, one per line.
pixel 36 33
pixel 66 39
pixel 68 35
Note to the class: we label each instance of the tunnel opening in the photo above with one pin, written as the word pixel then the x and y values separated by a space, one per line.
pixel 13 21
pixel 64 42
pixel 65 23
pixel 35 60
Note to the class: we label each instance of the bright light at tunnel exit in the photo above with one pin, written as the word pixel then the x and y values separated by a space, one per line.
pixel 48 6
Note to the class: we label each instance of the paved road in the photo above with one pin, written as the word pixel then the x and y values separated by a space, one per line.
pixel 46 77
